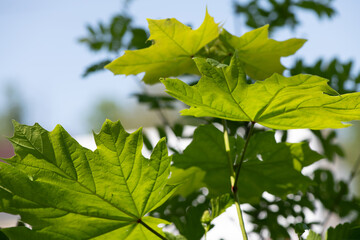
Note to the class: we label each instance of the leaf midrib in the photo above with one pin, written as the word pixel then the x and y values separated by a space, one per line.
pixel 65 210
pixel 118 154
pixel 258 115
pixel 232 96
pixel 77 213
pixel 154 62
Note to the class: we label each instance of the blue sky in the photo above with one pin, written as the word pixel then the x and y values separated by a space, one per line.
pixel 40 55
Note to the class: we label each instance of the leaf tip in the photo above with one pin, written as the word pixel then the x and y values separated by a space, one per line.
pixel 162 140
pixel 207 15
pixel 149 20
pixel 301 41
pixel 14 122
pixel 108 66
pixel 346 124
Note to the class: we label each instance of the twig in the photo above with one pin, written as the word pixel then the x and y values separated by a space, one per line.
pixel 243 152
pixel 233 181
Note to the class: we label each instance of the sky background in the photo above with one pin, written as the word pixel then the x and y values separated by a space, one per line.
pixel 40 55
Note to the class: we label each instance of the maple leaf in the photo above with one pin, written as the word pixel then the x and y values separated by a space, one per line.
pixel 301 101
pixel 259 55
pixel 175 44
pixel 65 191
pixel 269 166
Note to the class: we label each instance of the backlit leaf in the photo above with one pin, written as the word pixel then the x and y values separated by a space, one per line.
pixel 65 191
pixel 175 44
pixel 260 56
pixel 301 101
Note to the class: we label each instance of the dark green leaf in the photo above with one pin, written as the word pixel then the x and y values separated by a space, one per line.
pixel 95 68
pixel 155 101
pixel 139 39
pixel 270 166
pixel 266 214
pixel 3 236
pixel 280 13
pixel 330 147
pixel 341 231
pixel 334 195
pixel 91 30
pixel 300 228
pixel 319 8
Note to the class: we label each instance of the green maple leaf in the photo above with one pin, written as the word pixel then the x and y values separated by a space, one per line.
pixel 175 44
pixel 301 101
pixel 260 56
pixel 65 191
pixel 269 166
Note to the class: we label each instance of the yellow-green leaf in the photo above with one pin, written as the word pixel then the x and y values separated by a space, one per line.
pixel 301 101
pixel 65 191
pixel 175 44
pixel 260 55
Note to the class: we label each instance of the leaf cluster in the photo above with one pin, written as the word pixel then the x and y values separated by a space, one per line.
pixel 175 44
pixel 116 193
pixel 280 13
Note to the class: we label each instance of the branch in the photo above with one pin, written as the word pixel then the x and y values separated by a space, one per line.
pixel 243 153
pixel 233 181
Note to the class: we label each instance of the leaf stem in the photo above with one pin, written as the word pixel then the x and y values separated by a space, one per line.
pixel 240 216
pixel 243 153
pixel 151 229
pixel 233 181
pixel 228 153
